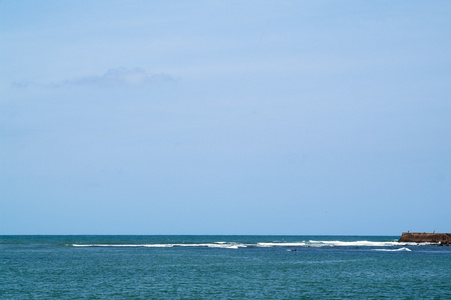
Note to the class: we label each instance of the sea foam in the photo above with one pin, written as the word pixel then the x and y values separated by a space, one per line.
pixel 391 250
pixel 237 245
pixel 205 245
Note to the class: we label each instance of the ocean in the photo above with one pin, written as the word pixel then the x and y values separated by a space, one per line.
pixel 222 267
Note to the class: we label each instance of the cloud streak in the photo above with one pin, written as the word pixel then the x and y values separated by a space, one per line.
pixel 20 84
pixel 120 77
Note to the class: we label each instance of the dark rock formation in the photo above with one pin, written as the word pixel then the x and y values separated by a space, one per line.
pixel 420 237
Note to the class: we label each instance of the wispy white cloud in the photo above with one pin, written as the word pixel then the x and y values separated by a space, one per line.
pixel 120 77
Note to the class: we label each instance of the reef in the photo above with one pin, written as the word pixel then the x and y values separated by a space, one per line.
pixel 423 237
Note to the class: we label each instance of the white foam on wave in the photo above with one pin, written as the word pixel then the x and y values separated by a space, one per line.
pixel 208 245
pixel 415 244
pixel 124 245
pixel 391 250
pixel 300 244
pixel 235 245
pixel 336 243
pixel 214 245
pixel 355 243
pixel 313 243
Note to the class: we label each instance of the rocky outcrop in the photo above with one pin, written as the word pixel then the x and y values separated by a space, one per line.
pixel 420 237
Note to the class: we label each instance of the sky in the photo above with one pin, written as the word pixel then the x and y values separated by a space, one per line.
pixel 225 117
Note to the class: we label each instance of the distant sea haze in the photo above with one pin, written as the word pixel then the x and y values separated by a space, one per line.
pixel 221 267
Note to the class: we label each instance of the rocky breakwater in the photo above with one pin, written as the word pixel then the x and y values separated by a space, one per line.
pixel 422 237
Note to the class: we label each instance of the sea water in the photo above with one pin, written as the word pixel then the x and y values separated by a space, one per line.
pixel 221 267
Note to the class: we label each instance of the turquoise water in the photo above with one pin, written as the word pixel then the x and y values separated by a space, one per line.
pixel 221 267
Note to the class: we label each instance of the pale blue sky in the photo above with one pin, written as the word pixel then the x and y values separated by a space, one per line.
pixel 225 117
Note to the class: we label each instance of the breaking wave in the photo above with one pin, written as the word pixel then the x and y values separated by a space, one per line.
pixel 392 250
pixel 206 245
pixel 300 244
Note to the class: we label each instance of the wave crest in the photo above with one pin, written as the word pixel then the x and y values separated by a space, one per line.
pixel 392 250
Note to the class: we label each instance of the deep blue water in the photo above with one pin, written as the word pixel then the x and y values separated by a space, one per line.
pixel 221 267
